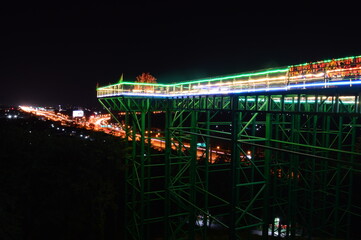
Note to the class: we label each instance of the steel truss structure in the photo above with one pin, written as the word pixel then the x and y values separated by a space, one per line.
pixel 288 155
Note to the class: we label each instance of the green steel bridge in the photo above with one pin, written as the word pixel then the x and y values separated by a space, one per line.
pixel 288 161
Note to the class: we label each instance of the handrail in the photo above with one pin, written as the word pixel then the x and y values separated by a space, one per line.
pixel 260 81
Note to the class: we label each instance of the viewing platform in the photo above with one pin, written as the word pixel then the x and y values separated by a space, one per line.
pixel 342 72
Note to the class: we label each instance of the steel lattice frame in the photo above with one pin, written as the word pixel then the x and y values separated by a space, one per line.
pixel 301 169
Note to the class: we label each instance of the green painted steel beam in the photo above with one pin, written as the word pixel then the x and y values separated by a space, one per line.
pixel 304 157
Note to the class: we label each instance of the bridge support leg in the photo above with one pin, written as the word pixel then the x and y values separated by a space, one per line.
pixel 235 167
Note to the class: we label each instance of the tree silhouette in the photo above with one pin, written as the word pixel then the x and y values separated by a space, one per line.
pixel 145 78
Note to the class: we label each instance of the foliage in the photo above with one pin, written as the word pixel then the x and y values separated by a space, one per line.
pixel 146 78
pixel 54 186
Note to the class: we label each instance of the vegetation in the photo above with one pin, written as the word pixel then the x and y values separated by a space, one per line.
pixel 146 78
pixel 56 186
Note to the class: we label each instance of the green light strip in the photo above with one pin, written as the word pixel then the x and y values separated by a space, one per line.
pixel 325 61
pixel 234 76
pixel 146 84
pixel 220 78
pixel 100 88
pixel 201 80
pixel 135 83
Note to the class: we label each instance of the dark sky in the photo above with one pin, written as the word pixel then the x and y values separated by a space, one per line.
pixel 56 53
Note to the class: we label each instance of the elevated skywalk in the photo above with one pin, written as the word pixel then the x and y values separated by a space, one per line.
pixel 335 73
pixel 291 136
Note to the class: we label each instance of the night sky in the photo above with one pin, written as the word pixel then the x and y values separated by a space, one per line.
pixel 56 53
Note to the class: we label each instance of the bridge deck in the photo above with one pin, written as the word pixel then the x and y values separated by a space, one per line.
pixel 344 72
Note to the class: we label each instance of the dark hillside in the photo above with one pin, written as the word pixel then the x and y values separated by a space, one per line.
pixel 57 185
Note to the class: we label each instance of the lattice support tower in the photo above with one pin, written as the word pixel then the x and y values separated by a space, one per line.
pixel 271 152
pixel 300 169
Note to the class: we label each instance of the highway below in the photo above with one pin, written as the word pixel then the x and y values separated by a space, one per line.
pixel 101 123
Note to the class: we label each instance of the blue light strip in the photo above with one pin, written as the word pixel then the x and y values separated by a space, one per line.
pixel 326 84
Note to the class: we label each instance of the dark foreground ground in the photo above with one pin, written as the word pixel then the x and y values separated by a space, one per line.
pixel 56 184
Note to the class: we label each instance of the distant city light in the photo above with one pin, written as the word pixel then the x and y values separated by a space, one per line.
pixel 78 113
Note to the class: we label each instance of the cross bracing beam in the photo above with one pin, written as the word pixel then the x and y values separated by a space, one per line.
pixel 289 155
